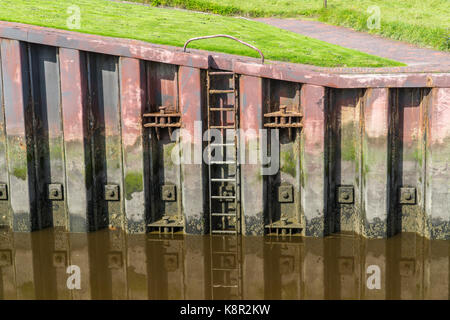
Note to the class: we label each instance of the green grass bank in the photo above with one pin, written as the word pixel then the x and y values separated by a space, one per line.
pixel 422 22
pixel 174 27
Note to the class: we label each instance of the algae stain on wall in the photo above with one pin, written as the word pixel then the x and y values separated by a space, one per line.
pixel 133 183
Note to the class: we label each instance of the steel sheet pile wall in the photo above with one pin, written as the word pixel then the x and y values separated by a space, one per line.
pixel 372 156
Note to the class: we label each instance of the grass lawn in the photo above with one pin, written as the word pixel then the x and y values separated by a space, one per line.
pixel 423 22
pixel 174 27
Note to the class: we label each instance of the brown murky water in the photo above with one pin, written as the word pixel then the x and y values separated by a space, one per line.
pixel 115 266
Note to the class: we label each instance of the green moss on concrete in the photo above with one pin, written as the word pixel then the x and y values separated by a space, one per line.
pixel 20 173
pixel 133 183
pixel 288 164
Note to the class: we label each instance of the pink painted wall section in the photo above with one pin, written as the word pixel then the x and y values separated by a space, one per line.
pixel 252 190
pixel 313 184
pixel 73 101
pixel 190 90
pixel 438 164
pixel 440 132
pixel 375 162
pixel 15 99
pixel 194 185
pixel 132 100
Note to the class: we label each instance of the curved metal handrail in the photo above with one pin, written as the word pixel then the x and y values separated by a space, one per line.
pixel 225 36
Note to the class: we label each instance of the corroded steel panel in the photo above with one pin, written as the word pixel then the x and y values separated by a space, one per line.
pixel 253 192
pixel 285 96
pixel 314 188
pixel 192 168
pixel 345 122
pixel 47 133
pixel 16 95
pixel 375 163
pixel 438 169
pixel 132 95
pixel 76 149
pixel 162 91
pixel 407 154
pixel 106 141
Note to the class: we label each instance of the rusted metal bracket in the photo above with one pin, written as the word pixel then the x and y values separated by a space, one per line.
pixel 284 119
pixel 225 36
pixel 167 225
pixel 162 119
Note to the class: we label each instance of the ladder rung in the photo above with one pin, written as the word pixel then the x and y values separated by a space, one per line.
pixel 216 91
pixel 223 197
pixel 223 162
pixel 224 232
pixel 223 214
pixel 222 109
pixel 223 179
pixel 224 286
pixel 222 127
pixel 214 73
pixel 225 253
pixel 222 144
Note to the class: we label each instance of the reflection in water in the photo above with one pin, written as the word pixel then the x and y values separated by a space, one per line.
pixel 116 266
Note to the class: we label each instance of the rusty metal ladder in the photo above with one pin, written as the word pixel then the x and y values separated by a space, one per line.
pixel 226 256
pixel 227 219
